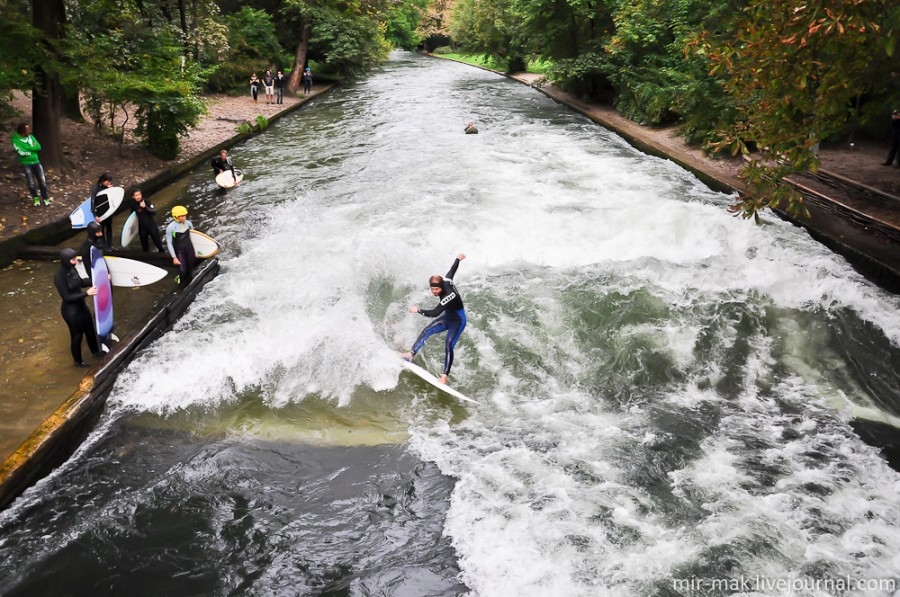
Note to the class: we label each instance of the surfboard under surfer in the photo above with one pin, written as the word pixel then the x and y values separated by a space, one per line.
pixel 449 314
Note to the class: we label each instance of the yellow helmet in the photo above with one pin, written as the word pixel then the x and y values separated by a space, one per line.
pixel 178 211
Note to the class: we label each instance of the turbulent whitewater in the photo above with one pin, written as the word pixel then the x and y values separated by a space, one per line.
pixel 665 390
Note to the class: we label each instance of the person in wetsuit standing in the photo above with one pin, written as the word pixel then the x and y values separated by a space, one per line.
pixel 75 313
pixel 94 239
pixel 178 240
pixel 100 204
pixel 449 314
pixel 147 228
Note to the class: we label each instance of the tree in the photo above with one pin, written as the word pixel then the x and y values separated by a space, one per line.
pixel 491 28
pixel 434 26
pixel 794 69
pixel 45 101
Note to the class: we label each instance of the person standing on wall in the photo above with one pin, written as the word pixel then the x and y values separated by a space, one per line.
pixel 27 148
pixel 178 240
pixel 79 320
pixel 100 204
pixel 147 228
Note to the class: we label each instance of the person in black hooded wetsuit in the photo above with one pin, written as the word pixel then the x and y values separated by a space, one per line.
pixel 94 239
pixel 449 314
pixel 75 313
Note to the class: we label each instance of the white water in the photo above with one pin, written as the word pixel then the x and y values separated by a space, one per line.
pixel 665 394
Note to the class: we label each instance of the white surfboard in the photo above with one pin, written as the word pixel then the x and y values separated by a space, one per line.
pixel 226 180
pixel 434 381
pixel 204 246
pixel 130 230
pixel 131 273
pixel 127 273
pixel 82 216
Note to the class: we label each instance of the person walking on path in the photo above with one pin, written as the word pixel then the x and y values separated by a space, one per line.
pixel 895 140
pixel 79 320
pixel 279 86
pixel 178 240
pixel 449 314
pixel 100 204
pixel 147 228
pixel 307 80
pixel 27 148
pixel 254 88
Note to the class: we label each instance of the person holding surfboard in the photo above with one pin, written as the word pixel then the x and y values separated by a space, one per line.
pixel 449 314
pixel 99 204
pixel 178 240
pixel 94 239
pixel 75 313
pixel 147 227
pixel 221 163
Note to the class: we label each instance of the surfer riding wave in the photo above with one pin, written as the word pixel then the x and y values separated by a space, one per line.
pixel 449 314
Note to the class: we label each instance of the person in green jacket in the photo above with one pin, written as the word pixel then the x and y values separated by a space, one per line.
pixel 27 147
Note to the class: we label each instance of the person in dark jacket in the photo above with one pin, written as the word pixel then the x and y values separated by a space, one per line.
pixel 449 314
pixel 221 163
pixel 71 288
pixel 147 227
pixel 100 204
pixel 94 239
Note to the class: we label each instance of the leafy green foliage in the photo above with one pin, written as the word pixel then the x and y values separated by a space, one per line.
pixel 20 50
pixel 402 22
pixel 127 69
pixel 253 47
pixel 794 69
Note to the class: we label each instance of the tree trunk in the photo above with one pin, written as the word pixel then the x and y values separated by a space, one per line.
pixel 45 102
pixel 293 83
pixel 71 105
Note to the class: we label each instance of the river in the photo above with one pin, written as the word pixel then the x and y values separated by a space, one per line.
pixel 665 390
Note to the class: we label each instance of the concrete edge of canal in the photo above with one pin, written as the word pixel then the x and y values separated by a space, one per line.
pixel 60 434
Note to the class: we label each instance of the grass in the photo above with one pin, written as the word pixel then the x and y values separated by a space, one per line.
pixel 538 67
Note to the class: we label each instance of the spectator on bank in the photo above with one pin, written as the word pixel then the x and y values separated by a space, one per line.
pixel 254 88
pixel 27 148
pixel 269 82
pixel 307 80
pixel 895 140
pixel 280 81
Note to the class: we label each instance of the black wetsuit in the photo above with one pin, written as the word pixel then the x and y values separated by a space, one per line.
pixel 98 205
pixel 75 313
pixel 450 316
pixel 219 165
pixel 147 227
pixel 178 238
pixel 85 252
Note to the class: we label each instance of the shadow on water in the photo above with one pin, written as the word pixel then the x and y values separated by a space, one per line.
pixel 166 512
